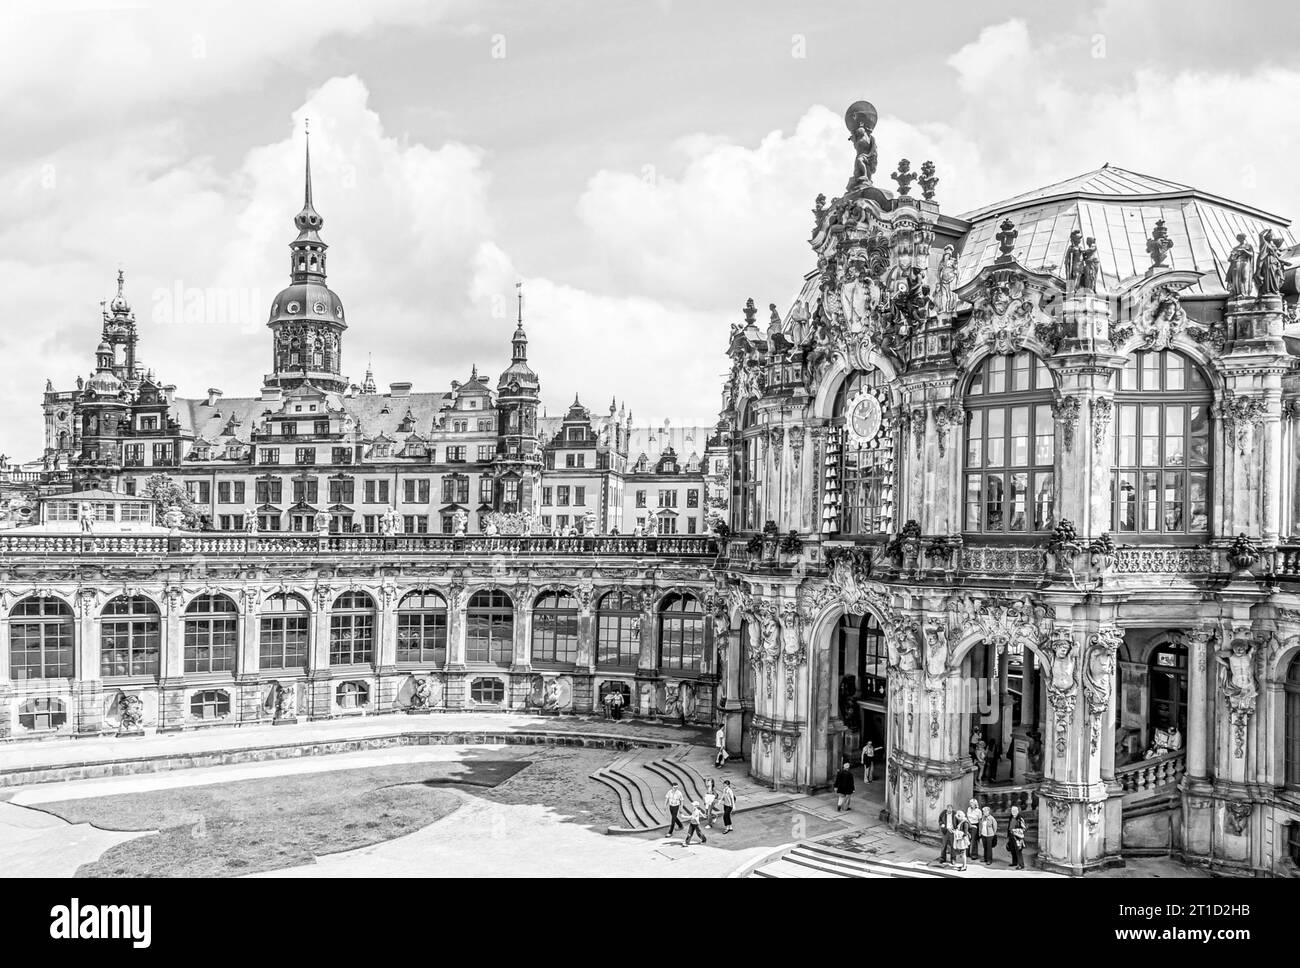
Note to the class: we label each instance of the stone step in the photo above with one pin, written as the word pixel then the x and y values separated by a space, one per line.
pixel 853 861
pixel 783 868
pixel 650 813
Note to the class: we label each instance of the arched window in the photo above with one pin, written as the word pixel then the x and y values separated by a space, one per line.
pixel 210 704
pixel 555 628
pixel 1010 446
pixel 352 629
pixel 42 714
pixel 40 639
pixel 1161 482
pixel 681 633
pixel 748 471
pixel 211 634
pixel 866 460
pixel 283 632
pixel 487 691
pixel 1168 690
pixel 422 628
pixel 1293 724
pixel 490 628
pixel 863 659
pixel 618 629
pixel 129 637
pixel 352 695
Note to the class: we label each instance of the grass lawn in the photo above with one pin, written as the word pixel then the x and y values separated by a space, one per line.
pixel 246 826
pixel 560 777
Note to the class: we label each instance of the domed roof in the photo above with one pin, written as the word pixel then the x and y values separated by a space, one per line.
pixel 307 301
pixel 105 383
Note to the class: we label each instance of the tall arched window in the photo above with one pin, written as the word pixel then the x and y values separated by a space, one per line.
pixel 129 637
pixel 40 639
pixel 211 629
pixel 490 628
pixel 555 628
pixel 422 628
pixel 748 471
pixel 352 629
pixel 1010 446
pixel 1168 692
pixel 1292 719
pixel 618 629
pixel 681 633
pixel 866 468
pixel 283 632
pixel 1161 482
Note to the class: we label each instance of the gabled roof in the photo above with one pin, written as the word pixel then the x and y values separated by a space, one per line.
pixel 1104 181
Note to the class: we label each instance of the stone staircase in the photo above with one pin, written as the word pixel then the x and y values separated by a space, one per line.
pixel 642 777
pixel 819 860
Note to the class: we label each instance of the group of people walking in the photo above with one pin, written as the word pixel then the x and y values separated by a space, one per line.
pixel 700 815
pixel 970 832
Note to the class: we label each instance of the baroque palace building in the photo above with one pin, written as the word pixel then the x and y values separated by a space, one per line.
pixel 1010 494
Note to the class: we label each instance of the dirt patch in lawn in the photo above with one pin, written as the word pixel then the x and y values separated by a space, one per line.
pixel 246 826
pixel 560 778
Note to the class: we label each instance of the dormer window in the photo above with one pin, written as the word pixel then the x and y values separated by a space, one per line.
pixel 148 423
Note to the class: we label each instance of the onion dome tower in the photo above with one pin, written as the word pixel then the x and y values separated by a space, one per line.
pixel 519 453
pixel 307 321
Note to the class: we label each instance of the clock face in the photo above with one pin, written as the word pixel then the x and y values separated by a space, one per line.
pixel 864 417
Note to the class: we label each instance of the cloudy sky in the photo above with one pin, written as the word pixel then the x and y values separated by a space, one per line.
pixel 642 167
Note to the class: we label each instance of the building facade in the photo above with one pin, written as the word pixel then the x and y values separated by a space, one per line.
pixel 1041 462
pixel 1012 494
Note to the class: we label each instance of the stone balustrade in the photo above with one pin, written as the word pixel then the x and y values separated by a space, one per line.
pixel 1150 777
pixel 186 544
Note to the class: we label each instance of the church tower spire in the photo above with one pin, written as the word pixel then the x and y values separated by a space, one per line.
pixel 307 320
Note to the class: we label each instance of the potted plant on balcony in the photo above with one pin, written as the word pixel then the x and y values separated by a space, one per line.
pixel 771 535
pixel 906 545
pixel 790 546
pixel 1063 547
pixel 754 547
pixel 1242 553
pixel 1101 554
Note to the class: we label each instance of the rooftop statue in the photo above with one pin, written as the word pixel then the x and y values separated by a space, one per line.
pixel 904 176
pixel 1074 257
pixel 1241 261
pixel 1090 273
pixel 860 119
pixel 1268 264
pixel 928 180
pixel 1159 244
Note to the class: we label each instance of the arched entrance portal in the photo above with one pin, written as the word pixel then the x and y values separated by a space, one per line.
pixel 862 678
pixel 1003 713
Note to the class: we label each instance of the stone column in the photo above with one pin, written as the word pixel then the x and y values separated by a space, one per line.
pixel 248 667
pixel 320 701
pixel 88 689
pixel 521 665
pixel 171 672
pixel 1072 801
pixel 584 668
pixel 6 688
pixel 647 666
pixel 387 680
pixel 455 689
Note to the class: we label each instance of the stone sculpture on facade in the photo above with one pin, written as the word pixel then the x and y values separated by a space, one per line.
pixel 1090 267
pixel 1237 682
pixel 1240 278
pixel 1159 244
pixel 1062 688
pixel 130 709
pixel 1073 263
pixel 860 119
pixel 1268 264
pixel 945 302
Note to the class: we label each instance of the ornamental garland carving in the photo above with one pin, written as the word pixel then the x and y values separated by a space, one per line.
pixel 793 651
pixel 1062 689
pixel 943 417
pixel 1007 307
pixel 1066 412
pixel 1239 686
pixel 789 744
pixel 1098 675
pixel 777 435
pixel 1240 414
pixel 1060 812
pixel 796 444
pixel 1102 408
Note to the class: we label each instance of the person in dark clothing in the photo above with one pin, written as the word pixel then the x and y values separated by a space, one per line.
pixel 844 788
pixel 1016 839
pixel 947 819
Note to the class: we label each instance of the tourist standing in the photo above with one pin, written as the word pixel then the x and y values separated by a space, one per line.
pixel 844 788
pixel 710 798
pixel 988 835
pixel 720 743
pixel 693 818
pixel 973 813
pixel 868 762
pixel 1016 839
pixel 673 800
pixel 947 817
pixel 960 840
pixel 728 805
